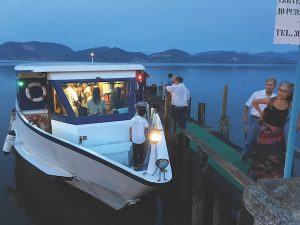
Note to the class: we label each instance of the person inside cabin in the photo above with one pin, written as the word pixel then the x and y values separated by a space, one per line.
pixel 72 97
pixel 116 100
pixel 95 104
pixel 254 119
pixel 270 149
pixel 85 94
pixel 180 100
pixel 137 130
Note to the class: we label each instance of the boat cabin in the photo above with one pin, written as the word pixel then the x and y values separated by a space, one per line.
pixel 87 104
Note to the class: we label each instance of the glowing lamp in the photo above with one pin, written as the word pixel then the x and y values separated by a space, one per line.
pixel 92 56
pixel 21 83
pixel 155 137
pixel 139 77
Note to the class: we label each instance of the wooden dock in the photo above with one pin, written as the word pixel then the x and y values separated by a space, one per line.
pixel 211 183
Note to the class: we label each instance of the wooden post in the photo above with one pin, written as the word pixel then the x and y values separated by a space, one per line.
pixel 160 92
pixel 244 217
pixel 199 164
pixel 225 94
pixel 167 114
pixel 183 169
pixel 190 107
pixel 201 114
pixel 220 211
pixel 224 122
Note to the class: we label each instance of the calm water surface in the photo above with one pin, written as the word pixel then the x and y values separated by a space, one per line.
pixel 29 197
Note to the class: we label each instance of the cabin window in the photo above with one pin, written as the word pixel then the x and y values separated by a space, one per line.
pixel 57 104
pixel 98 98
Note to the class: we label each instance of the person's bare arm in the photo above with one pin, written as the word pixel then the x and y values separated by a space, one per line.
pixel 257 102
pixel 245 114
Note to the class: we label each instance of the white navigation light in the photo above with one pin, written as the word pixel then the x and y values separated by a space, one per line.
pixel 92 56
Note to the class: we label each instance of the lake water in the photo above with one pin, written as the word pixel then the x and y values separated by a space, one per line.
pixel 29 197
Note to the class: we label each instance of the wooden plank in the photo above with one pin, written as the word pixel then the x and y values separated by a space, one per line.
pixel 183 170
pixel 220 211
pixel 199 164
pixel 228 166
pixel 244 217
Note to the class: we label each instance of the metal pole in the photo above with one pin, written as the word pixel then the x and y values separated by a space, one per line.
pixel 293 123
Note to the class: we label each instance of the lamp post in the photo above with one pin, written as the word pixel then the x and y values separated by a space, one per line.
pixel 92 56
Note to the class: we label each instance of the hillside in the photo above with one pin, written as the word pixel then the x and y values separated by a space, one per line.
pixel 34 51
pixel 42 51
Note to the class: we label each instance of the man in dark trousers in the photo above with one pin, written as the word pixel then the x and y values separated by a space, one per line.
pixel 253 122
pixel 180 100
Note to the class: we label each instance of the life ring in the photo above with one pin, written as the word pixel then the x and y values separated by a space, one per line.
pixel 35 84
pixel 39 121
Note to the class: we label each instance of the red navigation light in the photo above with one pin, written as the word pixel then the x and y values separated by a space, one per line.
pixel 139 77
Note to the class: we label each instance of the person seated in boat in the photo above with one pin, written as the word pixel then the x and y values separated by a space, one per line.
pixel 95 104
pixel 137 130
pixel 72 97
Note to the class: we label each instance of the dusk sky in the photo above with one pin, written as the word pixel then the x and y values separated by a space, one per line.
pixel 143 25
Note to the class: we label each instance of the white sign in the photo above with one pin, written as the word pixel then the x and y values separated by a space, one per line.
pixel 287 23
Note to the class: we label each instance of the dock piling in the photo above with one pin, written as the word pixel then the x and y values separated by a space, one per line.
pixel 201 114
pixel 199 165
pixel 167 114
pixel 224 123
pixel 160 92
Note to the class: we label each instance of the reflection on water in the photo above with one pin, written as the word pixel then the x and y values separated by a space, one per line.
pixel 47 200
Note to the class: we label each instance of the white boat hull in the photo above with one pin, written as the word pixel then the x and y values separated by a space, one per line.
pixel 114 184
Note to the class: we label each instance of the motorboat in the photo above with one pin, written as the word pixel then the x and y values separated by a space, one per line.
pixel 57 131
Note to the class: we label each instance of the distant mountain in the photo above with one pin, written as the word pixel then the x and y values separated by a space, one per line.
pixel 291 55
pixel 172 55
pixel 106 54
pixel 242 57
pixel 55 52
pixel 34 51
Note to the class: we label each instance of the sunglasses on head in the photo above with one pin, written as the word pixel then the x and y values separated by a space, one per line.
pixel 282 90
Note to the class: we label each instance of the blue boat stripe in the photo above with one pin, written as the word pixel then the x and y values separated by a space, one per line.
pixel 89 155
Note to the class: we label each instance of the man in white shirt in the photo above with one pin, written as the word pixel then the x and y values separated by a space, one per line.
pixel 138 126
pixel 180 100
pixel 72 97
pixel 254 118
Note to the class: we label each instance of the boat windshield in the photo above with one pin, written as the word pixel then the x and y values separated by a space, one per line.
pixel 96 98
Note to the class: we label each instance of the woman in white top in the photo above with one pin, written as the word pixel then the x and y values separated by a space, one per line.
pixel 95 105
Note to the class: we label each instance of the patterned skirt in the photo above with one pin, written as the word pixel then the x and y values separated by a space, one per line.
pixel 269 157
